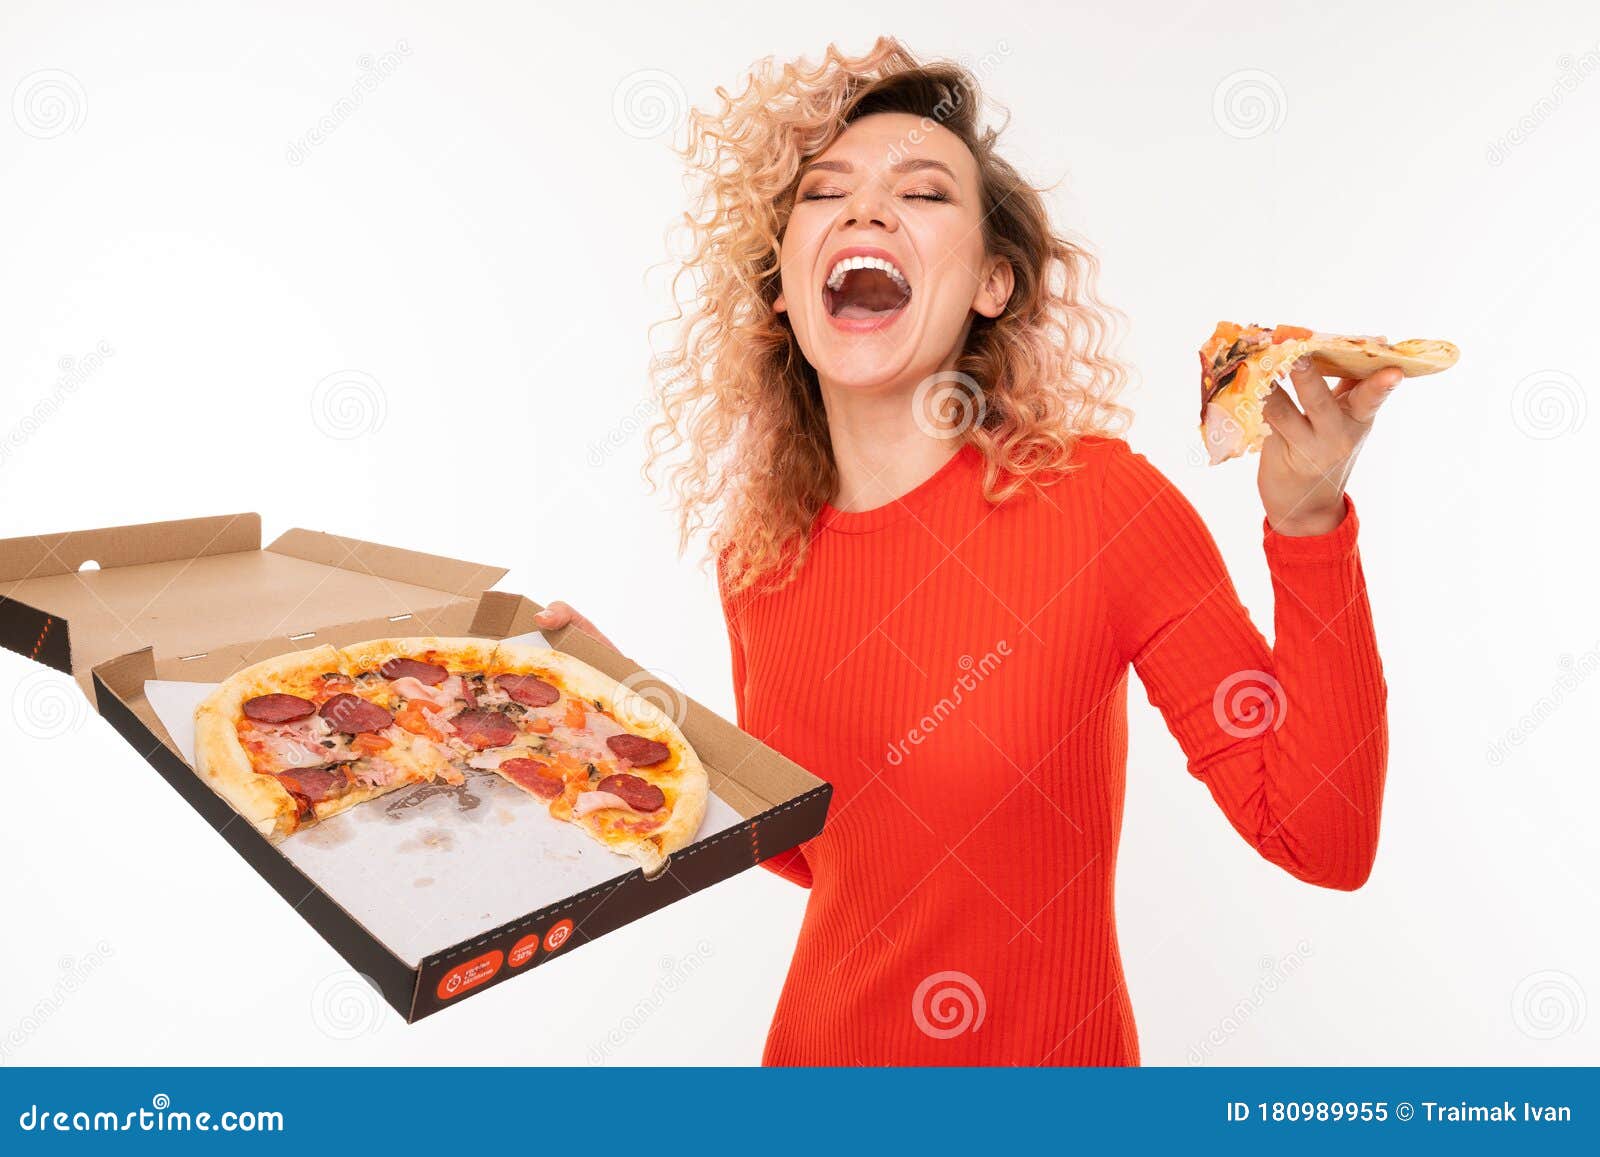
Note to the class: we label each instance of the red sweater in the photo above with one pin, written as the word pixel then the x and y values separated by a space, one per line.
pixel 959 672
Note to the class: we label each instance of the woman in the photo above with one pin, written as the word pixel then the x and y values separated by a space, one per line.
pixel 938 562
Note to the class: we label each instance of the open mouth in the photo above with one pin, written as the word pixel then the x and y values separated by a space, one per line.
pixel 865 290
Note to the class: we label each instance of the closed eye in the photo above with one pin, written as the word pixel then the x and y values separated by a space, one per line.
pixel 921 195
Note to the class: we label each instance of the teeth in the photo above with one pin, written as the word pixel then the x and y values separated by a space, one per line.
pixel 836 277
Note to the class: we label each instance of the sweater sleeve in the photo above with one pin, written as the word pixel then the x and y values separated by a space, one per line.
pixel 791 865
pixel 1291 739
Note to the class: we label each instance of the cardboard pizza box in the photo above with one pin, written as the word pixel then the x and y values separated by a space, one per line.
pixel 197 599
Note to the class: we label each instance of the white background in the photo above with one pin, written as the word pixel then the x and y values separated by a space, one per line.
pixel 475 237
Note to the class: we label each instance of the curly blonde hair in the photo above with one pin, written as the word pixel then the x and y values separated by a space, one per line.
pixel 743 439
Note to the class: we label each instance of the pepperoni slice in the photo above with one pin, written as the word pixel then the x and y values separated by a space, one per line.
pixel 314 784
pixel 278 708
pixel 428 674
pixel 638 750
pixel 639 795
pixel 528 690
pixel 483 728
pixel 534 776
pixel 352 714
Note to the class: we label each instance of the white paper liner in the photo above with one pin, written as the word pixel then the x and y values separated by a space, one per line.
pixel 427 867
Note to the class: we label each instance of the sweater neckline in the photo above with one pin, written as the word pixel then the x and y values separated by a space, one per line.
pixel 919 496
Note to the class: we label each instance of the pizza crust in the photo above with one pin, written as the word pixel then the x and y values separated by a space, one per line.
pixel 461 653
pixel 224 765
pixel 1358 357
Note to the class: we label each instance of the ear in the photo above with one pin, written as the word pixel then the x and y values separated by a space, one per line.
pixel 779 305
pixel 995 288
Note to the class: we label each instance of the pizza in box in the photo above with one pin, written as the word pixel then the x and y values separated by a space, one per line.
pixel 305 736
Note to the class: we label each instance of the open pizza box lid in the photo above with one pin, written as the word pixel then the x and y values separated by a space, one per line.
pixel 205 585
pixel 196 600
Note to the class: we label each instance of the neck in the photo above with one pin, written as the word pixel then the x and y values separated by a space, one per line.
pixel 879 449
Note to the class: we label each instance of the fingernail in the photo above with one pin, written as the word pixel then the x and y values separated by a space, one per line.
pixel 1302 363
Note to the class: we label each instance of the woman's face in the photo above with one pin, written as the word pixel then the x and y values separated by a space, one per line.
pixel 883 261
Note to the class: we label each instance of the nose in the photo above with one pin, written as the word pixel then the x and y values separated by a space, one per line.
pixel 869 207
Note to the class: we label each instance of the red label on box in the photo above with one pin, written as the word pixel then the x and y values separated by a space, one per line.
pixel 522 951
pixel 557 936
pixel 463 977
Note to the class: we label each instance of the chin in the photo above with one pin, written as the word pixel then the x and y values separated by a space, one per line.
pixel 875 361
pixel 869 364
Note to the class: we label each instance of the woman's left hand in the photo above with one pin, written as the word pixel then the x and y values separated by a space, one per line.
pixel 1308 458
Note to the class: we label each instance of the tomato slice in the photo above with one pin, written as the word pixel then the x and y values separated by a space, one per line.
pixel 576 713
pixel 412 718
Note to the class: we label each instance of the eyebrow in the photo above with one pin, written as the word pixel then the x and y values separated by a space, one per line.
pixel 909 165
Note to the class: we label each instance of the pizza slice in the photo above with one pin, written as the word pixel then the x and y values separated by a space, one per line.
pixel 1240 365
pixel 597 754
pixel 305 736
pixel 265 741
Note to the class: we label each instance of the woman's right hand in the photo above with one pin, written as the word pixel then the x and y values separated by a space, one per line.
pixel 558 614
